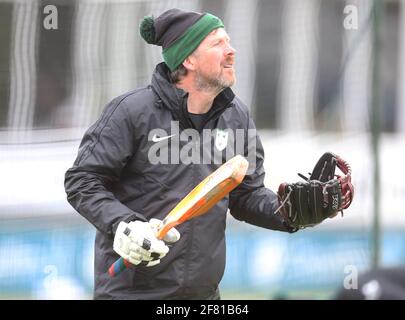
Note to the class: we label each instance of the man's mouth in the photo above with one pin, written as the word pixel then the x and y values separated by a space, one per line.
pixel 228 66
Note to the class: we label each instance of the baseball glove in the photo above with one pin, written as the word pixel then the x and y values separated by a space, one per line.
pixel 321 196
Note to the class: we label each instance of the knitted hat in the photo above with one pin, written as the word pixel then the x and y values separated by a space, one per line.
pixel 178 33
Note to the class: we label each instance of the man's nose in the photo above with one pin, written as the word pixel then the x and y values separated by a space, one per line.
pixel 230 50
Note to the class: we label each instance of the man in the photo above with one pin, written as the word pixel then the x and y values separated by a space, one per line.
pixel 123 184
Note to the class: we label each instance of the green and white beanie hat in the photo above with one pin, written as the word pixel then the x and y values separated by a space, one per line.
pixel 178 33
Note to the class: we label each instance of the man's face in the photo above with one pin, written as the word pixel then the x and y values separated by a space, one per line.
pixel 214 61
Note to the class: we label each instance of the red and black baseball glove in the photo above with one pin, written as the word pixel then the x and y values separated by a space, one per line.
pixel 321 196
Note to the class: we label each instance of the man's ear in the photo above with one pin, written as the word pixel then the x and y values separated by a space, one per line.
pixel 190 63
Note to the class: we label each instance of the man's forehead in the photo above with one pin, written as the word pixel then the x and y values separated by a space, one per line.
pixel 212 36
pixel 217 33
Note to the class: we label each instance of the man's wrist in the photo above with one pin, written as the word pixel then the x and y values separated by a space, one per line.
pixel 132 217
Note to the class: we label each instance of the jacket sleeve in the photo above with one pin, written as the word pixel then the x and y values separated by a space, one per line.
pixel 251 201
pixel 104 151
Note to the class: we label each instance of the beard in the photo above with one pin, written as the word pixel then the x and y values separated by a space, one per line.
pixel 211 83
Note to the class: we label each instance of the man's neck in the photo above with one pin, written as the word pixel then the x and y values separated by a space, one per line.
pixel 199 101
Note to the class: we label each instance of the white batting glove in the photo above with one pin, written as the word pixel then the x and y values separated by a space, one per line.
pixel 136 242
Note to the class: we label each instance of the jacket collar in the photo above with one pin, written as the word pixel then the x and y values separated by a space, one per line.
pixel 175 99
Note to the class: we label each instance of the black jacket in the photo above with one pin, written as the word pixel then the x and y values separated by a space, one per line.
pixel 113 179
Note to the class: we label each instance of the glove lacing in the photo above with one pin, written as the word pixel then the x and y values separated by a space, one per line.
pixel 289 207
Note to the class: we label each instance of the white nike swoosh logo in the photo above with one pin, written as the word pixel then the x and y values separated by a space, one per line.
pixel 157 139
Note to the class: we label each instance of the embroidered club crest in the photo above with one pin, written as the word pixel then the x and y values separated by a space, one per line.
pixel 221 139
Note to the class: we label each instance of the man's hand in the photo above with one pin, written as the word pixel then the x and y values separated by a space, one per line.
pixel 321 196
pixel 136 242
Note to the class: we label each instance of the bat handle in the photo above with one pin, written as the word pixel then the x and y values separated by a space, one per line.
pixel 118 266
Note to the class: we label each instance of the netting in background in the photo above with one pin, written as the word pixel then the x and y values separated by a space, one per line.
pixel 312 264
pixel 299 66
pixel 47 259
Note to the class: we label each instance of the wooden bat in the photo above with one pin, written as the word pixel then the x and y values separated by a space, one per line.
pixel 202 198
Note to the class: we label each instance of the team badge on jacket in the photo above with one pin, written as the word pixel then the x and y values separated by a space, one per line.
pixel 221 139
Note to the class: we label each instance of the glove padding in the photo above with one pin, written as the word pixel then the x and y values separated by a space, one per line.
pixel 321 196
pixel 136 242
